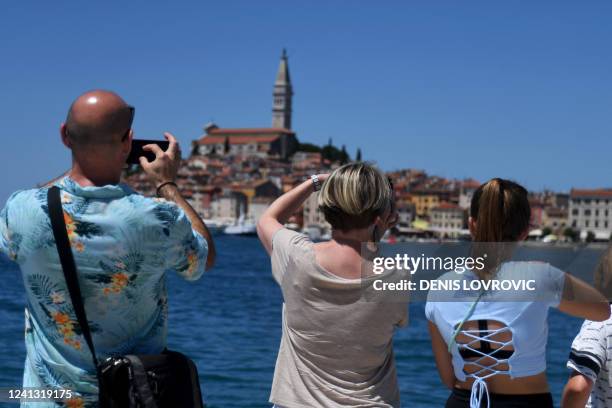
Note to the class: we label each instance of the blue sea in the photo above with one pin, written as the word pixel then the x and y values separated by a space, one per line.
pixel 229 322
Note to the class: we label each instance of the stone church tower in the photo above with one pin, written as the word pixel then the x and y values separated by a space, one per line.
pixel 283 92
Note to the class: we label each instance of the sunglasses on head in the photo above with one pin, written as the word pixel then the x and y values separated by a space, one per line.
pixel 132 113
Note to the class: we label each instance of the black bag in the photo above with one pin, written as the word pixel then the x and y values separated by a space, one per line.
pixel 162 380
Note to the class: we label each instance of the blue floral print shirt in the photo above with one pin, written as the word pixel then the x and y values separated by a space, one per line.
pixel 123 243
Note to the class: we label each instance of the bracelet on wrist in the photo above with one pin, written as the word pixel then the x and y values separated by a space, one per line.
pixel 158 190
pixel 316 182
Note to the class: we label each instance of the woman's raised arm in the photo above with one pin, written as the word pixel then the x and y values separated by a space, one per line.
pixel 281 209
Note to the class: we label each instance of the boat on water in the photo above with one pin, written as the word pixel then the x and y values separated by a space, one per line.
pixel 215 226
pixel 316 233
pixel 241 227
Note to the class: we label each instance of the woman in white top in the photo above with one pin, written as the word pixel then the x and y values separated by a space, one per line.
pixel 490 348
pixel 336 348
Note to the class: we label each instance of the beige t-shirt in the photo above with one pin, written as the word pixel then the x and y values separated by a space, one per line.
pixel 337 348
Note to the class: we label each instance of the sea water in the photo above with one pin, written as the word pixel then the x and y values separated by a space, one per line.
pixel 229 322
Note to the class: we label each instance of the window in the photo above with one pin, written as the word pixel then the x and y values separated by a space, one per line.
pixel 575 211
pixel 587 212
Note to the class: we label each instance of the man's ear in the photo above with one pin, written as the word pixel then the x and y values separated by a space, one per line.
pixel 127 143
pixel 64 134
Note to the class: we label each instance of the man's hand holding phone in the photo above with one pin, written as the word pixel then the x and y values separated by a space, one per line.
pixel 165 166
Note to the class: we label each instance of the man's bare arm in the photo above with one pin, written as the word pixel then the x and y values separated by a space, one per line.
pixel 162 172
pixel 171 193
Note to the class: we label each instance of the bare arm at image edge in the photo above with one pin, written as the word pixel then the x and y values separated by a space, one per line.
pixel 587 358
pixel 582 300
pixel 577 391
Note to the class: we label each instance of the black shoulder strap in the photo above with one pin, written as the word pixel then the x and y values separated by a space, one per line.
pixel 62 243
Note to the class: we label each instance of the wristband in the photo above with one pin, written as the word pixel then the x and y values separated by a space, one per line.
pixel 164 184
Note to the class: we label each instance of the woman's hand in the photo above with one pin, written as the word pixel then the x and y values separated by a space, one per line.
pixel 322 177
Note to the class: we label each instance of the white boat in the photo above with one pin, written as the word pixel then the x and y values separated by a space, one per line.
pixel 316 233
pixel 214 226
pixel 241 227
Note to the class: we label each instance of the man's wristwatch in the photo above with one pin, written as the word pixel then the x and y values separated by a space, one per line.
pixel 316 182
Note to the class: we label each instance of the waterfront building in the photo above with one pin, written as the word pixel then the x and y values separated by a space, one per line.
pixel 466 192
pixel 555 218
pixel 304 161
pixel 312 215
pixel 257 188
pixel 537 210
pixel 228 206
pixel 448 220
pixel 591 211
pixel 406 212
pixel 258 206
pixel 424 202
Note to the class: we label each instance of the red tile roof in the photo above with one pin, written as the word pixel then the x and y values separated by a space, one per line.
pixel 593 193
pixel 248 131
pixel 471 183
pixel 447 206
pixel 206 140
pixel 243 135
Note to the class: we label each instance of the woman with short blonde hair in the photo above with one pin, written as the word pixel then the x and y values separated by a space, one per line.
pixel 336 348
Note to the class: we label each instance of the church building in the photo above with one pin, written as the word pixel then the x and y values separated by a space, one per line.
pixel 278 141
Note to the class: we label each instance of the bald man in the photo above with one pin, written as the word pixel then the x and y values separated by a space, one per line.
pixel 123 244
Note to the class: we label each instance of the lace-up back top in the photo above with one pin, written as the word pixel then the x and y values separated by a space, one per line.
pixel 506 333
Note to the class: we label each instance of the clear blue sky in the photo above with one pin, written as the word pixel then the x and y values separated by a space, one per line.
pixel 516 89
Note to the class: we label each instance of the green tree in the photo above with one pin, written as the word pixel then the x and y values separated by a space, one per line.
pixel 331 153
pixel 590 237
pixel 358 155
pixel 546 231
pixel 308 147
pixel 570 233
pixel 194 149
pixel 227 145
pixel 344 157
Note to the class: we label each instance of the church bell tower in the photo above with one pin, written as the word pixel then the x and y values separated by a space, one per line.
pixel 283 92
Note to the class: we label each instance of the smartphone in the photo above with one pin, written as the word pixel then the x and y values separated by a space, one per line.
pixel 137 151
